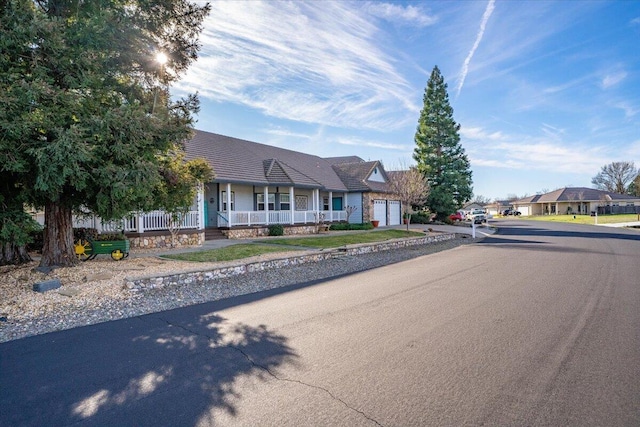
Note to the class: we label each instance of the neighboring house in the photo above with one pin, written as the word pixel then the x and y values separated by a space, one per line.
pixel 473 206
pixel 257 185
pixel 499 206
pixel 577 200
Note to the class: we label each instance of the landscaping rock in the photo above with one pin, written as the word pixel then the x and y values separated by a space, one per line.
pixel 47 285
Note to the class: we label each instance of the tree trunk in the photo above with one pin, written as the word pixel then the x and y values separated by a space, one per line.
pixel 58 249
pixel 13 254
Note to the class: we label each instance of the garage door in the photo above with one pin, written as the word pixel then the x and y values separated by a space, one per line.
pixel 380 211
pixel 524 210
pixel 394 212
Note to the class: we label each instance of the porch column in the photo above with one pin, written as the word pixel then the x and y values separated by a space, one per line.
pixel 200 198
pixel 330 206
pixel 557 208
pixel 229 204
pixel 266 204
pixel 292 206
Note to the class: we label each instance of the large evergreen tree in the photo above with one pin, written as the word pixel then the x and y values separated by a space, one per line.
pixel 438 153
pixel 85 114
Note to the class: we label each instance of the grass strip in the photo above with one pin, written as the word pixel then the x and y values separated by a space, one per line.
pixel 338 240
pixel 229 253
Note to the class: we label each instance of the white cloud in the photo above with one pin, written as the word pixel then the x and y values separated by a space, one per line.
pixel 551 152
pixel 373 144
pixel 316 62
pixel 396 13
pixel 483 25
pixel 613 79
pixel 479 134
pixel 629 110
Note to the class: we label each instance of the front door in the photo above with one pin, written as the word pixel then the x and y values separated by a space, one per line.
pixel 337 203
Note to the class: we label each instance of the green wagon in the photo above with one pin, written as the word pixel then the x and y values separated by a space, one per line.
pixel 87 249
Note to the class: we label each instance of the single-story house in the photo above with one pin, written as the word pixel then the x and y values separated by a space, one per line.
pixel 257 185
pixel 577 201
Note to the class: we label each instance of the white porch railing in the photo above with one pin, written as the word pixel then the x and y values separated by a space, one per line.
pixel 151 221
pixel 276 217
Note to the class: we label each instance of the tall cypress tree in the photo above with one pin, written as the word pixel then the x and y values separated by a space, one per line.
pixel 438 152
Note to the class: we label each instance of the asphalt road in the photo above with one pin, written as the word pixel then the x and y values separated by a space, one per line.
pixel 536 325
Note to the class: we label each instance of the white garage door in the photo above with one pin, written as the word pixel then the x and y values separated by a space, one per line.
pixel 394 212
pixel 524 210
pixel 380 211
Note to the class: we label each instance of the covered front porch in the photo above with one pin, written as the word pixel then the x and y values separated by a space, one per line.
pixel 231 205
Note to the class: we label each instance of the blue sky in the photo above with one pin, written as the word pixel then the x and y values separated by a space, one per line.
pixel 546 92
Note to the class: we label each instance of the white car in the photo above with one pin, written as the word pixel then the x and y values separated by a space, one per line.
pixel 478 216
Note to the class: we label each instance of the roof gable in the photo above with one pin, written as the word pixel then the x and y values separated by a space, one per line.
pixel 356 176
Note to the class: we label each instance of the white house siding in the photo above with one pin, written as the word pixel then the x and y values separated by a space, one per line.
pixel 355 199
pixel 376 176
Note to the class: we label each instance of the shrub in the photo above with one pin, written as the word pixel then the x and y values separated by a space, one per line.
pixel 276 230
pixel 420 218
pixel 341 226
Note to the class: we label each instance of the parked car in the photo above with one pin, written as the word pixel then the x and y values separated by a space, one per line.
pixel 513 212
pixel 477 215
pixel 457 216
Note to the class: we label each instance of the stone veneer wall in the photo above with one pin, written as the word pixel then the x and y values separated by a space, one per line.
pixel 159 241
pixel 209 276
pixel 367 204
pixel 262 231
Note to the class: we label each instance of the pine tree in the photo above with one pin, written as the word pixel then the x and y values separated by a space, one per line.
pixel 438 153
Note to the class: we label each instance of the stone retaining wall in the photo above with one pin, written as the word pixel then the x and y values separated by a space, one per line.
pixel 262 231
pixel 163 240
pixel 207 276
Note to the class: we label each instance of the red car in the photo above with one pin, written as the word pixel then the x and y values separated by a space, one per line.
pixel 458 216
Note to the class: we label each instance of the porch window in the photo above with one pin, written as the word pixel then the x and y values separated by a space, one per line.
pixel 224 201
pixel 285 202
pixel 325 203
pixel 260 201
pixel 301 203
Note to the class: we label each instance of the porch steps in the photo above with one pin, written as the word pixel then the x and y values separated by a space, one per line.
pixel 213 234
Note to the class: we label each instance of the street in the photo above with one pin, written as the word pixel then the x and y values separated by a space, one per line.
pixel 536 325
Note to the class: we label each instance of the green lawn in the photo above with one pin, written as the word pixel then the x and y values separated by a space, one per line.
pixel 247 250
pixel 229 253
pixel 585 219
pixel 345 239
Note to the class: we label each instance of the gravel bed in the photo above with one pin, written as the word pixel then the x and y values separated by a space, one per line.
pixel 116 302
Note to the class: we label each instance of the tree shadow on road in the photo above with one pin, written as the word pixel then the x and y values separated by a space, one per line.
pixel 173 368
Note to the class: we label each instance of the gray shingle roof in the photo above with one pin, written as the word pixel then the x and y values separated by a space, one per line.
pixel 354 176
pixel 575 194
pixel 239 161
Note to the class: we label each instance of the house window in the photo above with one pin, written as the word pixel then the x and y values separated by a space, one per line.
pixel 285 202
pixel 301 203
pixel 325 203
pixel 224 200
pixel 260 201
